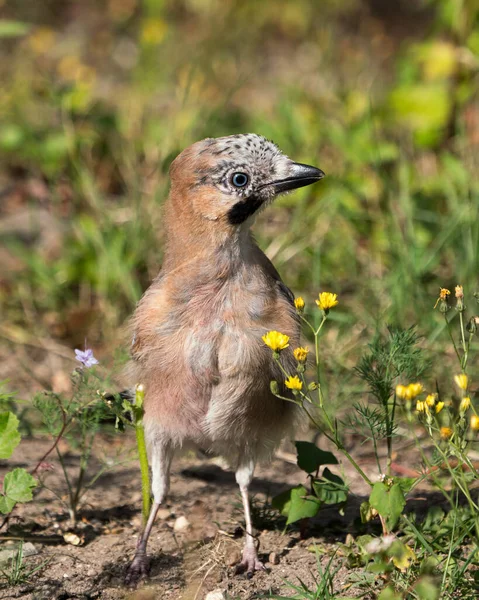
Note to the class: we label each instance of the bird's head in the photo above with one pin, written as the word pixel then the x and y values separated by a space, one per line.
pixel 229 179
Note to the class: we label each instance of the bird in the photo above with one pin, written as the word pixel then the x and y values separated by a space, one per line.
pixel 197 345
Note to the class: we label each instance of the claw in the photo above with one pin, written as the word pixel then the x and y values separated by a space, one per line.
pixel 250 563
pixel 138 570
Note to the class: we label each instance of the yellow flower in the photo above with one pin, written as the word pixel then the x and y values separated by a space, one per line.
pixel 439 407
pixel 459 291
pixel 431 400
pixel 294 383
pixel 421 406
pixel 414 389
pixel 299 304
pixel 443 294
pixel 327 300
pixel 70 68
pixel 42 40
pixel 465 404
pixel 446 432
pixel 402 392
pixel 474 422
pixel 461 381
pixel 153 31
pixel 301 354
pixel 275 340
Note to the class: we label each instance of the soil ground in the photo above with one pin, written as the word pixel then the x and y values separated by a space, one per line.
pixel 185 564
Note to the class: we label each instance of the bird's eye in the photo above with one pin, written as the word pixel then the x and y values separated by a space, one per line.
pixel 239 180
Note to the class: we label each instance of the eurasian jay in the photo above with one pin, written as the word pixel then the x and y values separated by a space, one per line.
pixel 197 346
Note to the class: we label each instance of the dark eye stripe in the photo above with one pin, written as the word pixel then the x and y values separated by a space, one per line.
pixel 242 210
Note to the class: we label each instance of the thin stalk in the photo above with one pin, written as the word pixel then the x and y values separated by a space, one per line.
pixel 389 439
pixel 145 475
pixel 463 339
pixel 137 418
pixel 339 446
pixel 452 339
pixel 449 554
pixel 67 480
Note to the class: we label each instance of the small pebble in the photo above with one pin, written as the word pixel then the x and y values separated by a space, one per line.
pixel 164 513
pixel 215 595
pixel 181 524
pixel 274 558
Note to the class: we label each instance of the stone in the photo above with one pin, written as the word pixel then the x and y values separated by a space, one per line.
pixel 181 524
pixel 163 514
pixel 274 558
pixel 9 553
pixel 215 595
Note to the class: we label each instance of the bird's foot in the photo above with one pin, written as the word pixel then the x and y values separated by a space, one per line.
pixel 250 563
pixel 138 569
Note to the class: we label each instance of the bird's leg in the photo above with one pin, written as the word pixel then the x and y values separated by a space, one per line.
pixel 249 562
pixel 160 467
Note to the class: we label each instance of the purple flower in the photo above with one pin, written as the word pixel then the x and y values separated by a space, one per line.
pixel 86 357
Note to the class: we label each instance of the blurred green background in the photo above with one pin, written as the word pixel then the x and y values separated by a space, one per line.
pixel 98 96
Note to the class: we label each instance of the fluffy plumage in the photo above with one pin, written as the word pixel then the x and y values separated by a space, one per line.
pixel 197 344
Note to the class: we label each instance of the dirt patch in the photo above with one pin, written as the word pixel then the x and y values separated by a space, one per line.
pixel 185 564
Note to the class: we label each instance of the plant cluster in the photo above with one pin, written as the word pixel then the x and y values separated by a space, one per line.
pixel 405 562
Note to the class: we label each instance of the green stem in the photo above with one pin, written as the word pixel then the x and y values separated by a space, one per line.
pixel 137 417
pixel 339 446
pixel 464 345
pixel 145 475
pixel 452 339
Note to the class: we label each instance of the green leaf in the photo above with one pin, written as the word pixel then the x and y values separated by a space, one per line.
pixel 426 589
pixel 365 512
pixel 389 594
pixel 6 504
pixel 296 504
pixel 17 487
pixel 302 505
pixel 12 28
pixel 282 502
pixel 424 108
pixel 402 555
pixel 389 502
pixel 406 483
pixel 9 436
pixel 310 457
pixel 330 489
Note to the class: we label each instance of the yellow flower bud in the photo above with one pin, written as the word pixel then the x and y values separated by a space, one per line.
pixel 474 422
pixel 301 354
pixel 421 406
pixel 431 400
pixel 414 389
pixel 461 381
pixel 439 407
pixel 443 294
pixel 465 404
pixel 401 391
pixel 446 432
pixel 299 304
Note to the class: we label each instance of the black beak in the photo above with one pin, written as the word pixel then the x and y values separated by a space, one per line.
pixel 301 175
